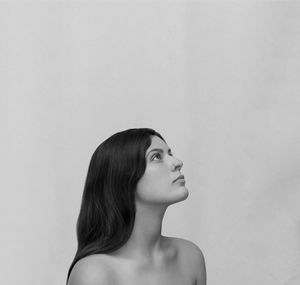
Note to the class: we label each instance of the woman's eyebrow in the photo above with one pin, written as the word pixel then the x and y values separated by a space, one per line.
pixel 158 149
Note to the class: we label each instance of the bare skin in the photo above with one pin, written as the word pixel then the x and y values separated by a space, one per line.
pixel 178 266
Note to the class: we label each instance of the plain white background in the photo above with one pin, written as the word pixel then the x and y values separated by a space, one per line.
pixel 218 79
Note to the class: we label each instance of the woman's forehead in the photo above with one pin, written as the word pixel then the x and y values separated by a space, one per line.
pixel 157 142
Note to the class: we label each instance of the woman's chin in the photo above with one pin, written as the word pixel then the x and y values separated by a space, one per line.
pixel 181 193
pixel 186 193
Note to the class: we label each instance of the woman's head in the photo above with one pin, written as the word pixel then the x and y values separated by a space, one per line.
pixel 122 171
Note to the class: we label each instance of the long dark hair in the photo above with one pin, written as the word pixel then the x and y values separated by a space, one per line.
pixel 107 211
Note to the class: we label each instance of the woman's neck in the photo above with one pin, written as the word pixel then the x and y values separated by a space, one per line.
pixel 146 243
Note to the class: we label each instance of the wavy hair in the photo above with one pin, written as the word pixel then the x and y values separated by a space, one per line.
pixel 107 212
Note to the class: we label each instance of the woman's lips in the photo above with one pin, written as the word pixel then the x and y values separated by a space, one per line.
pixel 180 177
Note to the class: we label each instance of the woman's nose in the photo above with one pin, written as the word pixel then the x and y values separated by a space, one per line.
pixel 177 164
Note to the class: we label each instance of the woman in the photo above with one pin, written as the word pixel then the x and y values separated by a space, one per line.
pixel 132 178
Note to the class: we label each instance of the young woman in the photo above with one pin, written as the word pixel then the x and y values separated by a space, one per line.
pixel 132 178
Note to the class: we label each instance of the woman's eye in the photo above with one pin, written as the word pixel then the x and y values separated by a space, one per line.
pixel 156 155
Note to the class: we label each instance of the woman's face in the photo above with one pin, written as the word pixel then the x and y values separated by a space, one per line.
pixel 157 184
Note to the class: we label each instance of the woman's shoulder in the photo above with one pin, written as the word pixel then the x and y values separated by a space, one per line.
pixel 185 245
pixel 91 270
pixel 192 257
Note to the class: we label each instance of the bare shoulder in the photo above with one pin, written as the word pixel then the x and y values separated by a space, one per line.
pixel 91 270
pixel 187 247
pixel 193 257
